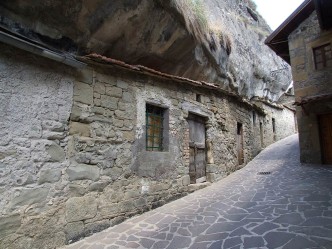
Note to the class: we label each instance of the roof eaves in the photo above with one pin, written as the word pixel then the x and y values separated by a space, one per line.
pixel 288 25
pixel 96 59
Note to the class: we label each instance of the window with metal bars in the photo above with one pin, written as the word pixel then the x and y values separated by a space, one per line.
pixel 323 56
pixel 154 128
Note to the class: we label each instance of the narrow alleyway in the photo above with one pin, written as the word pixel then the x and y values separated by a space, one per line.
pixel 274 202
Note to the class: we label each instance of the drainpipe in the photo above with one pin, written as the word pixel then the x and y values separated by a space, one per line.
pixel 40 50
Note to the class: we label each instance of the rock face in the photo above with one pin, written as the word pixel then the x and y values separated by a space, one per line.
pixel 213 40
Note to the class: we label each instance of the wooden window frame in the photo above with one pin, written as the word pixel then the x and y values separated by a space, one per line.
pixel 324 54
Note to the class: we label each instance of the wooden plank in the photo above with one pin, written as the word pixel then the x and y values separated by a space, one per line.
pixel 197 148
pixel 192 166
pixel 325 122
pixel 200 162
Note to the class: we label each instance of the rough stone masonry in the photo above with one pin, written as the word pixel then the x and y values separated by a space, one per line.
pixel 72 151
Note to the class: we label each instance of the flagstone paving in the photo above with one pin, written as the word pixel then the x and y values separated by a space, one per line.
pixel 290 208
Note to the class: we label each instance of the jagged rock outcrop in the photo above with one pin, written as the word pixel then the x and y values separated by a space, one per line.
pixel 212 40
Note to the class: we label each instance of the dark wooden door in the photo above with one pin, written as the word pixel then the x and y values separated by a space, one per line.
pixel 197 147
pixel 325 125
pixel 239 143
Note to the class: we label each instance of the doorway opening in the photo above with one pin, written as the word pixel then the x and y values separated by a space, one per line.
pixel 197 148
pixel 325 130
pixel 239 143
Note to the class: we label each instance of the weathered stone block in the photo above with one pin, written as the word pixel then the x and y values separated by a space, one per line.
pixel 132 194
pixel 300 76
pixel 128 124
pixel 141 202
pixel 85 75
pixel 106 78
pixel 55 152
pixel 128 97
pixel 211 168
pixel 98 186
pixel 109 102
pixel 4 154
pixel 114 91
pixel 114 172
pixel 76 113
pixel 100 88
pixel 51 135
pixel 298 60
pixel 74 231
pixel 49 176
pixel 96 95
pixel 211 177
pixel 96 227
pixel 129 136
pixel 29 196
pixel 186 180
pixel 296 43
pixel 81 208
pixel 122 115
pixel 76 190
pixel 9 225
pixel 83 172
pixel 47 240
pixel 118 123
pixel 52 125
pixel 159 187
pixel 122 84
pixel 83 93
pixel 80 129
pixel 109 211
pixel 99 110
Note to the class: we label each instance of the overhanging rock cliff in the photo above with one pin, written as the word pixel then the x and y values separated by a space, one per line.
pixel 215 41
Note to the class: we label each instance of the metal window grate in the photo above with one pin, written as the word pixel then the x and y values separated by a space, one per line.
pixel 154 128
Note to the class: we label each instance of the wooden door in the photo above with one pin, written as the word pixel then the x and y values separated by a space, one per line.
pixel 325 126
pixel 197 148
pixel 239 143
pixel 261 134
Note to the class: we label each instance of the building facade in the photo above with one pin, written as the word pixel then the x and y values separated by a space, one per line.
pixel 305 41
pixel 82 150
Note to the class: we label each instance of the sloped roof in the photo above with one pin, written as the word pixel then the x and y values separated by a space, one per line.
pixel 311 99
pixel 278 40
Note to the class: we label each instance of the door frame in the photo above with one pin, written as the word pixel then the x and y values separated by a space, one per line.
pixel 321 134
pixel 203 120
pixel 240 143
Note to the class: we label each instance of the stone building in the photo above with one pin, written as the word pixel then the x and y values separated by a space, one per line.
pixel 88 141
pixel 305 41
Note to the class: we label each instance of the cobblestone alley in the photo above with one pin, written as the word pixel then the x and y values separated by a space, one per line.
pixel 274 202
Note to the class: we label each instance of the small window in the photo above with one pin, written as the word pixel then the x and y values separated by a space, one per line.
pixel 239 129
pixel 323 56
pixel 154 128
pixel 254 118
pixel 199 98
pixel 273 125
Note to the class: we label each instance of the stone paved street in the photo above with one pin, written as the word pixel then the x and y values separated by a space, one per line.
pixel 290 208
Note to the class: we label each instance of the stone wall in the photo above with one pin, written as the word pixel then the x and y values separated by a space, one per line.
pixel 73 157
pixel 36 99
pixel 309 82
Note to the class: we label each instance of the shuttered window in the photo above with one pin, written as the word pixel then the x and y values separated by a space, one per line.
pixel 323 56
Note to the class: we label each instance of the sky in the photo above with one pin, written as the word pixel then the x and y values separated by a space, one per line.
pixel 276 11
